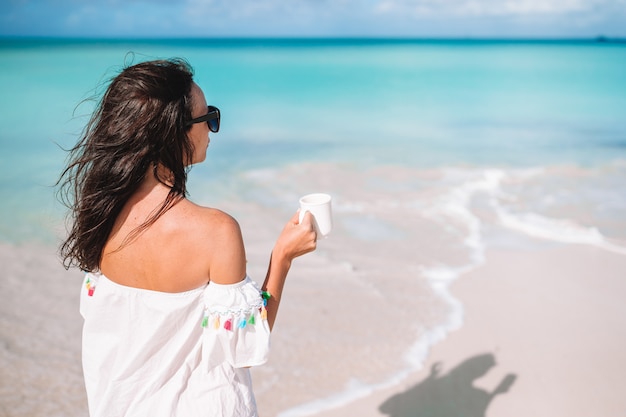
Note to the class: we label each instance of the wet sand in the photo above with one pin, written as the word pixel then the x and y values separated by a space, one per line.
pixel 543 336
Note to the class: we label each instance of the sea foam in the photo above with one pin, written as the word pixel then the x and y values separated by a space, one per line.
pixel 454 206
pixel 557 230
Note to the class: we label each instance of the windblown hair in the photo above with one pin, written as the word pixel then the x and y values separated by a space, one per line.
pixel 139 123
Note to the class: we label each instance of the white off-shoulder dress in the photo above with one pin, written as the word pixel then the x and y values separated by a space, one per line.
pixel 150 353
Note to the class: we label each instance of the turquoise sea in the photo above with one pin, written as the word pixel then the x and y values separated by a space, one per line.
pixel 417 103
pixel 434 151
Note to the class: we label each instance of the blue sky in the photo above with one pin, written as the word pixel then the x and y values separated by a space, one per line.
pixel 408 18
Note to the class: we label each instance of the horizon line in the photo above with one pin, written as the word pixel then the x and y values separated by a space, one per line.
pixel 598 38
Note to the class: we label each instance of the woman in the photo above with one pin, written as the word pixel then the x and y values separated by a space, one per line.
pixel 172 322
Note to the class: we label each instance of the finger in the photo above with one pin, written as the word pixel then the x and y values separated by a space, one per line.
pixel 295 219
pixel 307 221
pixel 307 218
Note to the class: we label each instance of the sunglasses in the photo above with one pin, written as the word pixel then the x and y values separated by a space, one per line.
pixel 212 118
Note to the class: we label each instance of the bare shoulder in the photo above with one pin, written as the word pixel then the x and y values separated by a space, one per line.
pixel 214 221
pixel 220 236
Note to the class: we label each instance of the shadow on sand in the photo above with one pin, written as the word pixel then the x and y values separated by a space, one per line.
pixel 450 395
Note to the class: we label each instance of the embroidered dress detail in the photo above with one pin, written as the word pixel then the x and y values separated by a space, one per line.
pixel 228 325
pixel 239 333
pixel 243 314
pixel 90 284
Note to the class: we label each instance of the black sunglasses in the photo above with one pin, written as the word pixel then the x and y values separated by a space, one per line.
pixel 212 118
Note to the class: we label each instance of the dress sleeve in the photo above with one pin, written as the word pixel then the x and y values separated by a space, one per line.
pixel 235 325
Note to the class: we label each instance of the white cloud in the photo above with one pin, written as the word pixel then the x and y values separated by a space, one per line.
pixel 270 16
pixel 78 16
pixel 473 8
pixel 314 17
pixel 394 16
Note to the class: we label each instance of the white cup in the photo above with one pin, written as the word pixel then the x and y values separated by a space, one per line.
pixel 318 205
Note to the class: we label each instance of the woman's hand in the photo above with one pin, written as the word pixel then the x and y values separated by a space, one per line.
pixel 296 238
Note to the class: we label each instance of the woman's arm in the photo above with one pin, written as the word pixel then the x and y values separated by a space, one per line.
pixel 295 240
pixel 226 255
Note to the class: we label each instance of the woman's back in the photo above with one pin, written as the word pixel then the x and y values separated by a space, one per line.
pixel 179 252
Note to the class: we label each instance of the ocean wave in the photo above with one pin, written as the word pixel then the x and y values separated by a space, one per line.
pixel 539 226
pixel 453 205
pixel 557 230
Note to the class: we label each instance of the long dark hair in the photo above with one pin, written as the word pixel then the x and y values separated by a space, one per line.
pixel 139 122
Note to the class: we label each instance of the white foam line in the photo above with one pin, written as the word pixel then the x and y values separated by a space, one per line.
pixel 440 279
pixel 455 204
pixel 355 391
pixel 557 230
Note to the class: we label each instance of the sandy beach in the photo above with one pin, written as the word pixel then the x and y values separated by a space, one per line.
pixel 40 330
pixel 543 336
pixel 431 297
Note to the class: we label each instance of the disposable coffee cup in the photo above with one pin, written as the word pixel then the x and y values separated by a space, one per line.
pixel 319 206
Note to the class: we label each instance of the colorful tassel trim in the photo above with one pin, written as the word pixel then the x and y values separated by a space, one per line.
pixel 242 323
pixel 90 286
pixel 266 296
pixel 228 325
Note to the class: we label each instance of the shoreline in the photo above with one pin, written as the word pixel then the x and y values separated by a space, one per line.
pixel 544 338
